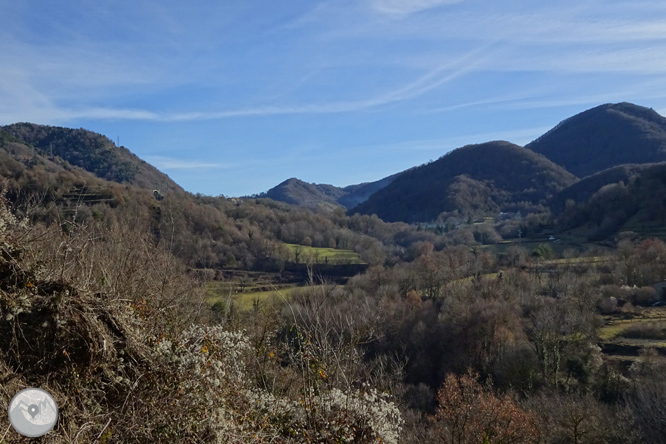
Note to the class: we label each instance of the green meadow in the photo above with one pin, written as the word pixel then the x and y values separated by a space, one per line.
pixel 316 255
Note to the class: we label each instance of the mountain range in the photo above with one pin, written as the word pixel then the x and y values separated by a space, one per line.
pixel 605 145
pixel 496 176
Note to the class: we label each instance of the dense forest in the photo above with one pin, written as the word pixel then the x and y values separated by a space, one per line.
pixel 531 310
pixel 457 345
pixel 634 203
pixel 604 137
pixel 473 180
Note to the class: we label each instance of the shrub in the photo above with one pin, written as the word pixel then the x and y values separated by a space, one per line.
pixel 106 325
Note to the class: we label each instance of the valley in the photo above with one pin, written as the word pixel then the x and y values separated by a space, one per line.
pixel 518 274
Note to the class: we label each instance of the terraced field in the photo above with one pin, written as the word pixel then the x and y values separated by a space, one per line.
pixel 246 288
pixel 315 255
pixel 623 336
pixel 247 300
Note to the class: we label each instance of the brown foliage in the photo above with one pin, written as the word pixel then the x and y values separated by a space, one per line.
pixel 581 419
pixel 471 413
pixel 80 315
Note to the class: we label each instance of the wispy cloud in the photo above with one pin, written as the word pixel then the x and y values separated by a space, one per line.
pixel 545 40
pixel 502 100
pixel 558 38
pixel 555 97
pixel 436 77
pixel 401 8
pixel 350 72
pixel 544 23
pixel 170 163
pixel 430 80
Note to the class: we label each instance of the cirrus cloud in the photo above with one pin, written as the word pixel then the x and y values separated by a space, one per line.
pixel 402 8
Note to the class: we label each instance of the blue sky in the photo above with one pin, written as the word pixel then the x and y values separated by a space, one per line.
pixel 233 97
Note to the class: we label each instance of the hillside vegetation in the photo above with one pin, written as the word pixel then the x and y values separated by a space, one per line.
pixel 604 137
pixel 633 203
pixel 308 195
pixel 109 321
pixel 355 194
pixel 113 327
pixel 473 180
pixel 205 232
pixel 92 152
pixel 582 190
pixel 321 196
pixel 156 318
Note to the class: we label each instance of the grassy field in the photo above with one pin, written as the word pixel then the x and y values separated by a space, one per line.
pixel 220 291
pixel 610 331
pixel 530 244
pixel 616 344
pixel 303 254
pixel 616 326
pixel 246 288
pixel 571 261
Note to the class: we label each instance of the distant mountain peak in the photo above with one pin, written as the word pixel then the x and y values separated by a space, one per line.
pixel 474 179
pixel 311 195
pixel 603 137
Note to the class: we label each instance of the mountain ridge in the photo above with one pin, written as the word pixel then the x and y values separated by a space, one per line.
pixel 309 195
pixel 93 152
pixel 473 179
pixel 477 179
pixel 603 137
pixel 312 195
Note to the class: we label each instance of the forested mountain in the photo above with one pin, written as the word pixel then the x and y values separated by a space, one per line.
pixel 311 195
pixel 105 300
pixel 475 179
pixel 604 137
pixel 624 198
pixel 582 190
pixel 206 232
pixel 92 152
